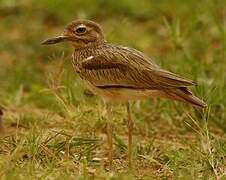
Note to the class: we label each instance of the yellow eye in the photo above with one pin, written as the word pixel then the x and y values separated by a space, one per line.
pixel 80 30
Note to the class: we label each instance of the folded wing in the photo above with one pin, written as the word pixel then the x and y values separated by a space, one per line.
pixel 117 67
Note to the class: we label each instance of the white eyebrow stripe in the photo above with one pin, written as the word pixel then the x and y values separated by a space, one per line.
pixel 81 26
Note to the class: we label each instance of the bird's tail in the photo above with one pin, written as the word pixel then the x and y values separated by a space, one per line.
pixel 185 95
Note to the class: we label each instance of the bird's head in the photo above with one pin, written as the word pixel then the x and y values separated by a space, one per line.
pixel 80 33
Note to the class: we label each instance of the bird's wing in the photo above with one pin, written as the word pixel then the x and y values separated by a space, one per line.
pixel 117 66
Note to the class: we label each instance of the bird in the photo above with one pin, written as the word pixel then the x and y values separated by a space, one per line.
pixel 120 74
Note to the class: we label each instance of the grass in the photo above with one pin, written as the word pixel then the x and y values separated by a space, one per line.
pixel 54 130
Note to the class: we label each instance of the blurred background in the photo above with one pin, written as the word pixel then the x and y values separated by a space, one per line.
pixel 40 92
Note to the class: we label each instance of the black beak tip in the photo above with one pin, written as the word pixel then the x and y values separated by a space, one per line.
pixel 44 42
pixel 49 41
pixel 53 40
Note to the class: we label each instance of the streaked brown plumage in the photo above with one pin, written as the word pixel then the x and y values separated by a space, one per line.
pixel 119 73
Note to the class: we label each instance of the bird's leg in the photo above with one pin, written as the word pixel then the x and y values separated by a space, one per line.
pixel 110 144
pixel 130 132
pixel 109 134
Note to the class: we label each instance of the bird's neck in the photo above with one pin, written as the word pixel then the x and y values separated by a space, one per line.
pixel 87 45
pixel 86 51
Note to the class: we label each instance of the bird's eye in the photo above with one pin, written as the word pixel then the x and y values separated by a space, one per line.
pixel 80 30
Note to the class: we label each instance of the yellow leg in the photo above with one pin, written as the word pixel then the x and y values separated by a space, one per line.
pixel 109 135
pixel 130 133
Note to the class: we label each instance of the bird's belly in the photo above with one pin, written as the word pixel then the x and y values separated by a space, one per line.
pixel 125 94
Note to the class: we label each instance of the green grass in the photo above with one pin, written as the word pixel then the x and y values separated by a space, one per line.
pixel 53 130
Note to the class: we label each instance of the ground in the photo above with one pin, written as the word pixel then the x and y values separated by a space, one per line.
pixel 52 128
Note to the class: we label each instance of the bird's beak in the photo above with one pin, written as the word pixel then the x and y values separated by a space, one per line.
pixel 54 40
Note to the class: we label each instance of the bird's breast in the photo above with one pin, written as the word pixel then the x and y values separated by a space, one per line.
pixel 77 58
pixel 124 94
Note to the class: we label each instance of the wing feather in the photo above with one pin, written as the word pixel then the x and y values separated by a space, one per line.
pixel 117 66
